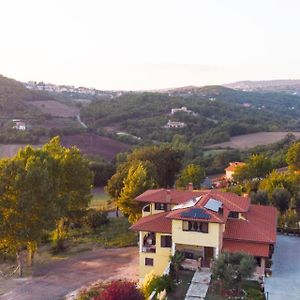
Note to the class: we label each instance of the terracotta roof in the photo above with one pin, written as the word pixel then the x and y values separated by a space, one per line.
pixel 255 249
pixel 160 196
pixel 260 225
pixel 154 223
pixel 232 166
pixel 231 201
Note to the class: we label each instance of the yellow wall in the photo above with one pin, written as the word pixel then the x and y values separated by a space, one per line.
pixel 161 258
pixel 210 239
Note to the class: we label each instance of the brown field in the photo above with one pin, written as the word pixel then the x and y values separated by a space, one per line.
pixel 56 109
pixel 96 145
pixel 253 139
pixel 11 150
pixel 88 143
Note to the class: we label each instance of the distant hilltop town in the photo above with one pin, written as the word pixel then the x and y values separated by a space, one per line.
pixel 70 89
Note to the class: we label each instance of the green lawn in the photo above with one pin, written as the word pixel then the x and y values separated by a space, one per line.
pixel 114 234
pixel 101 200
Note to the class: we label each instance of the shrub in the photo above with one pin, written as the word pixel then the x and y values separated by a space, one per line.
pixel 158 283
pixel 95 218
pixel 253 294
pixel 121 290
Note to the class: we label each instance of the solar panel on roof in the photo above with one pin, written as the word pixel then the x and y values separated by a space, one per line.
pixel 213 205
pixel 195 213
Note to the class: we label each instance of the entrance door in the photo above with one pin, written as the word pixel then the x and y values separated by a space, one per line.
pixel 208 255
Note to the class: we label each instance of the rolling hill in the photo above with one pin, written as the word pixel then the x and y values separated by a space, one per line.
pixel 217 113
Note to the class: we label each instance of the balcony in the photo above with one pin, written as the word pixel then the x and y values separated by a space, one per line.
pixel 149 248
pixel 149 243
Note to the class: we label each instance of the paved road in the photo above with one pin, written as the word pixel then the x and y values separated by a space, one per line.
pixel 285 280
pixel 59 278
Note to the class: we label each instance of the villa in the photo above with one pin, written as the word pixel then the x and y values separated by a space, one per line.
pixel 230 170
pixel 201 225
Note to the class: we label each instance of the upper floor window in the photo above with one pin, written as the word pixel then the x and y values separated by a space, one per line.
pixel 195 226
pixel 160 206
pixel 166 241
pixel 233 214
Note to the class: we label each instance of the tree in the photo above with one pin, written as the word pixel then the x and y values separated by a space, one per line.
pixel 28 187
pixel 166 159
pixel 232 269
pixel 74 186
pixel 137 181
pixel 257 166
pixel 281 199
pixel 293 156
pixel 260 197
pixel 176 261
pixel 191 173
pixel 289 219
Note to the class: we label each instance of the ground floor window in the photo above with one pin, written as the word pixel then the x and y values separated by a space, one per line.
pixel 149 261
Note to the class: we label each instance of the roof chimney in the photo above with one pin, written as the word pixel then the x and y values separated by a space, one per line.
pixel 168 196
pixel 190 186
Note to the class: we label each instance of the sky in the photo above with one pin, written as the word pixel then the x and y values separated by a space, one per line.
pixel 149 44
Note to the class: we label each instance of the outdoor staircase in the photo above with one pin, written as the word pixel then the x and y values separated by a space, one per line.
pixel 199 285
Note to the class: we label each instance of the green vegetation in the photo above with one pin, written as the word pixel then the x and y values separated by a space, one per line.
pixel 230 271
pixel 39 194
pixel 144 168
pixel 190 174
pixel 218 114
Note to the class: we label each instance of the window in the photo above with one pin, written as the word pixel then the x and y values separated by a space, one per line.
pixel 146 208
pixel 233 214
pixel 195 226
pixel 166 241
pixel 149 261
pixel 160 206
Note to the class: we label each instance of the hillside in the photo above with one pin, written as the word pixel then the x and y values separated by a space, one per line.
pixel 216 114
pixel 283 86
pixel 13 98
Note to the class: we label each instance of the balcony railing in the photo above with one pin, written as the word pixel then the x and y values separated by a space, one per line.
pixel 149 248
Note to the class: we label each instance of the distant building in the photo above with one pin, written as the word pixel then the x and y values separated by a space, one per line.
pixel 19 125
pixel 173 124
pixel 231 169
pixel 182 109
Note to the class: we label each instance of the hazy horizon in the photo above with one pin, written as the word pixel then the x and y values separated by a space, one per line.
pixel 141 45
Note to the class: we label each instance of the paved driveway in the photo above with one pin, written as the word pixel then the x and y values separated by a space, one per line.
pixel 57 279
pixel 285 280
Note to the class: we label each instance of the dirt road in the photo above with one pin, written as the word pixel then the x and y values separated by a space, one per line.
pixel 59 278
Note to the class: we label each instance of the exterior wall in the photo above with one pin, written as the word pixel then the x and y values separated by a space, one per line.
pixel 210 239
pixel 160 258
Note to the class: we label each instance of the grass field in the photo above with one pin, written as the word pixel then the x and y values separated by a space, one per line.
pixel 101 200
pixel 252 140
pixel 55 108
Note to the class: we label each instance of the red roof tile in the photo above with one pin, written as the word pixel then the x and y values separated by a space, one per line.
pixel 160 196
pixel 255 249
pixel 231 201
pixel 260 225
pixel 154 223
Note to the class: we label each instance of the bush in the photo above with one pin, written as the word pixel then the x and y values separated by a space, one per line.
pixel 95 218
pixel 158 283
pixel 121 290
pixel 254 294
